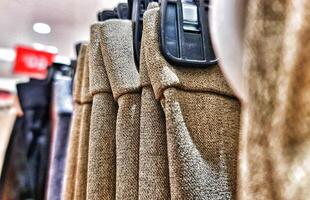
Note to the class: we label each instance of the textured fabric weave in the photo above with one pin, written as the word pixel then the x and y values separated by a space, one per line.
pixel 73 143
pixel 80 188
pixel 117 49
pixel 101 174
pixel 202 123
pixel 275 148
pixel 153 158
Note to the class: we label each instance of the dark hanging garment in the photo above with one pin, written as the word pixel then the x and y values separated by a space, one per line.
pixel 62 106
pixel 25 177
pixel 7 120
pixel 6 171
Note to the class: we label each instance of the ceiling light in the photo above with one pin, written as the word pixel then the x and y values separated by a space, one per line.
pixel 41 28
pixel 62 59
pixel 52 49
pixel 7 55
pixel 42 47
pixel 38 46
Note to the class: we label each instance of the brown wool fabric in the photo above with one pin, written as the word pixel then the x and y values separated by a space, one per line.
pixel 101 176
pixel 71 160
pixel 117 49
pixel 82 159
pixel 202 123
pixel 275 148
pixel 153 158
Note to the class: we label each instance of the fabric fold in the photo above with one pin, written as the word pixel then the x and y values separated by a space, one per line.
pixel 163 75
pixel 101 176
pixel 116 42
pixel 153 158
pixel 202 122
pixel 80 189
pixel 117 49
pixel 73 143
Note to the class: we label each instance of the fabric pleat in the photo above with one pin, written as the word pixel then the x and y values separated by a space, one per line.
pixel 80 188
pixel 117 49
pixel 202 122
pixel 275 145
pixel 73 143
pixel 101 176
pixel 153 158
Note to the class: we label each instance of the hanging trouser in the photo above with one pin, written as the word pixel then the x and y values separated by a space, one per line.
pixel 202 122
pixel 153 159
pixel 82 159
pixel 102 156
pixel 7 119
pixel 275 145
pixel 71 160
pixel 62 98
pixel 7 170
pixel 26 165
pixel 117 49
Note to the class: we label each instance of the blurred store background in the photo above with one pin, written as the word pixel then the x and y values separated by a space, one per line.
pixel 35 36
pixel 45 25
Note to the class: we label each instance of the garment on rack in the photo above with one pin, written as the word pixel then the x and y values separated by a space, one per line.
pixel 117 49
pixel 62 104
pixel 73 143
pixel 7 120
pixel 82 151
pixel 202 122
pixel 101 176
pixel 26 164
pixel 153 158
pixel 275 147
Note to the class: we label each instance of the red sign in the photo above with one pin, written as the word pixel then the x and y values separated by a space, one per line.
pixel 32 63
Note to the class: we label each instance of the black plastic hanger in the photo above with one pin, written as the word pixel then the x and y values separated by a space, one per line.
pixel 184 33
pixel 77 48
pixel 138 8
pixel 122 10
pixel 129 2
pixel 106 14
